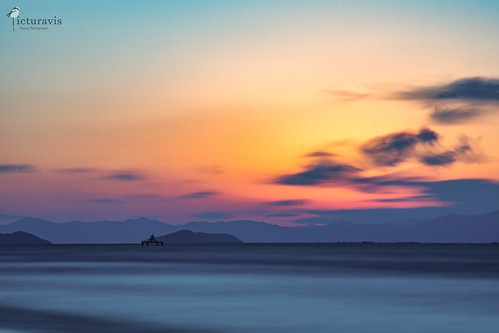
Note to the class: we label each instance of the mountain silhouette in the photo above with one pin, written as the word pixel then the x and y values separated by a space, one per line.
pixel 21 237
pixel 127 231
pixel 452 228
pixel 189 237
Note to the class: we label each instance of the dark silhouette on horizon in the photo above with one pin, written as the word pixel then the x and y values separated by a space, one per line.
pixel 21 238
pixel 191 237
pixel 452 228
pixel 152 240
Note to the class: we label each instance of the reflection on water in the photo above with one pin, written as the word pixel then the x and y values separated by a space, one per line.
pixel 250 288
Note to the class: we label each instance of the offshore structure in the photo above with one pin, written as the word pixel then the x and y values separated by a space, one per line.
pixel 152 240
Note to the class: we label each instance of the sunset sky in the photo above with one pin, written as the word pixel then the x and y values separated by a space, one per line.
pixel 279 111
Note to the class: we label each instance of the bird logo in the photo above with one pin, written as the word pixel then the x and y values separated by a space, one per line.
pixel 14 13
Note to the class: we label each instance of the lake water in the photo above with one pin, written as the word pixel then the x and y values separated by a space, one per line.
pixel 250 288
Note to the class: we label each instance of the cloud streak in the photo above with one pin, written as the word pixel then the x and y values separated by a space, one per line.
pixel 283 215
pixel 319 153
pixel 467 89
pixel 213 215
pixel 346 95
pixel 77 170
pixel 17 168
pixel 286 203
pixel 127 176
pixel 384 151
pixel 199 195
pixel 453 102
pixel 322 172
pixel 106 201
pixel 458 101
pixel 458 114
pixel 394 148
pixel 465 151
pixel 212 169
pixel 463 196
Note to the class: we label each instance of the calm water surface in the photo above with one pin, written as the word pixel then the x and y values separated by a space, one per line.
pixel 250 288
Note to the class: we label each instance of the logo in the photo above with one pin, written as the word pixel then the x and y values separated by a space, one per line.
pixel 14 13
pixel 31 23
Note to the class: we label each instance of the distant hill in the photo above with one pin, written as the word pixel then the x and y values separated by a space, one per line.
pixel 452 228
pixel 190 237
pixel 21 237
pixel 109 232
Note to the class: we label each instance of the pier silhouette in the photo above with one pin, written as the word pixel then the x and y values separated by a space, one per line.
pixel 152 240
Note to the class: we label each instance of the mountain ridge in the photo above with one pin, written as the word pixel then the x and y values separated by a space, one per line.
pixel 21 238
pixel 191 237
pixel 450 228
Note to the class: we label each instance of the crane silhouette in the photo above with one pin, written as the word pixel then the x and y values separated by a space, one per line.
pixel 14 13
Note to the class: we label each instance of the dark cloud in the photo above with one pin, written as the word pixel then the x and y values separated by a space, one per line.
pixel 458 101
pixel 453 102
pixel 427 135
pixel 106 201
pixel 283 215
pixel 125 176
pixel 445 158
pixel 386 150
pixel 319 154
pixel 461 196
pixel 212 215
pixel 467 147
pixel 298 202
pixel 465 151
pixel 327 172
pixel 394 148
pixel 17 168
pixel 470 89
pixel 322 172
pixel 457 114
pixel 409 199
pixel 77 170
pixel 200 195
pixel 147 196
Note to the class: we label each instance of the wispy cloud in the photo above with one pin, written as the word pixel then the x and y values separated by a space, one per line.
pixel 457 114
pixel 452 102
pixel 464 196
pixel 423 197
pixel 212 169
pixel 388 150
pixel 213 215
pixel 107 201
pixel 17 168
pixel 319 153
pixel 347 95
pixel 77 170
pixel 282 215
pixel 466 151
pixel 125 176
pixel 457 101
pixel 145 197
pixel 394 148
pixel 199 195
pixel 330 173
pixel 468 89
pixel 285 203
pixel 322 172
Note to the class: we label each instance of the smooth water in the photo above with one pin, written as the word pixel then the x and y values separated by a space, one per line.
pixel 250 288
